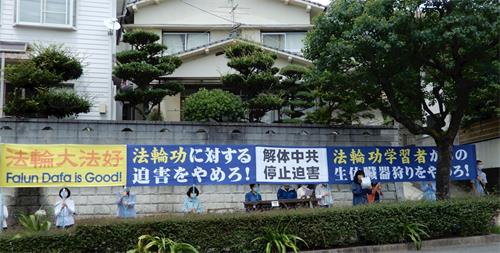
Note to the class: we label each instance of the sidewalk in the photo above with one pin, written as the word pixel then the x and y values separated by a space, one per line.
pixel 489 248
pixel 480 244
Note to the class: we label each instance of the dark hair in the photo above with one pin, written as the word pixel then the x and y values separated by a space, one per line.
pixel 126 190
pixel 252 186
pixel 64 188
pixel 190 190
pixel 359 172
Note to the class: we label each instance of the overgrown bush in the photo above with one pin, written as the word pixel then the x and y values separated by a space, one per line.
pixel 320 228
pixel 216 104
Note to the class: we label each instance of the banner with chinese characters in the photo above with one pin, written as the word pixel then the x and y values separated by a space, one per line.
pixel 31 165
pixel 299 165
pixel 398 164
pixel 167 165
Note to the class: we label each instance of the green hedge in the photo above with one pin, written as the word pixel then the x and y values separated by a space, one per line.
pixel 320 228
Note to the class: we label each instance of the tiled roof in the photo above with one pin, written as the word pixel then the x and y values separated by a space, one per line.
pixel 306 1
pixel 311 2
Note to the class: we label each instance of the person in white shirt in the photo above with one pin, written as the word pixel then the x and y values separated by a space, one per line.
pixel 4 214
pixel 303 191
pixel 65 209
pixel 324 195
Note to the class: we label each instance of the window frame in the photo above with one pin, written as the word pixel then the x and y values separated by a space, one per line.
pixel 285 36
pixel 186 34
pixel 273 33
pixel 70 16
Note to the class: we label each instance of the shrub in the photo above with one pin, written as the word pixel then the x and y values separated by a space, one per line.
pixel 414 232
pixel 217 105
pixel 278 240
pixel 320 228
pixel 34 223
pixel 62 103
pixel 157 244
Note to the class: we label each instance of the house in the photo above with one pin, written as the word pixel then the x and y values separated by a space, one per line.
pixel 78 26
pixel 198 30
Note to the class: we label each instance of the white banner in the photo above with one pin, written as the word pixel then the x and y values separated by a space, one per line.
pixel 291 165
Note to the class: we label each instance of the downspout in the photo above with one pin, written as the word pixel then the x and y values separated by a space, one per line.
pixel 2 83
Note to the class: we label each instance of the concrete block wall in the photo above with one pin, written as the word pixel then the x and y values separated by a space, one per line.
pixel 91 202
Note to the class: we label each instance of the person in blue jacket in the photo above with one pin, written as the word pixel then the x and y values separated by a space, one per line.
pixel 429 190
pixel 253 195
pixel 359 195
pixel 126 204
pixel 287 193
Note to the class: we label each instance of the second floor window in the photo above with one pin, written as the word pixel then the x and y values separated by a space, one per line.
pixel 289 41
pixel 180 42
pixel 45 12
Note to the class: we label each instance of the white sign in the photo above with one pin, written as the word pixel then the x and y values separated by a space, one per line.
pixel 291 165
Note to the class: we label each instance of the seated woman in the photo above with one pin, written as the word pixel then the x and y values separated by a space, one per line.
pixel 286 192
pixel 191 202
pixel 65 209
pixel 126 204
pixel 252 196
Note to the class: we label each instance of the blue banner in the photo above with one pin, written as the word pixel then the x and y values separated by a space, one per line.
pixel 398 164
pixel 168 165
pixel 176 165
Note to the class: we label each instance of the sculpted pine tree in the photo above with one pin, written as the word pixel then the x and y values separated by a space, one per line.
pixel 144 65
pixel 254 79
pixel 296 93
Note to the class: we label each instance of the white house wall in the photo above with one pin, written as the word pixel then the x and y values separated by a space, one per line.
pixel 219 35
pixel 251 34
pixel 209 66
pixel 249 12
pixel 90 40
pixel 487 151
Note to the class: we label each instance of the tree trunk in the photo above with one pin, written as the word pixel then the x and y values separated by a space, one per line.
pixel 444 147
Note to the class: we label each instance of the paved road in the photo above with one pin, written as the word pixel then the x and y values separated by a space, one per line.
pixel 490 248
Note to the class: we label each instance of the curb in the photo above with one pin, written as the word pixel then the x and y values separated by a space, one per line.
pixel 426 245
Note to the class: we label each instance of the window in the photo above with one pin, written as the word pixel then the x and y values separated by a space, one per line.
pixel 46 12
pixel 289 41
pixel 180 42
